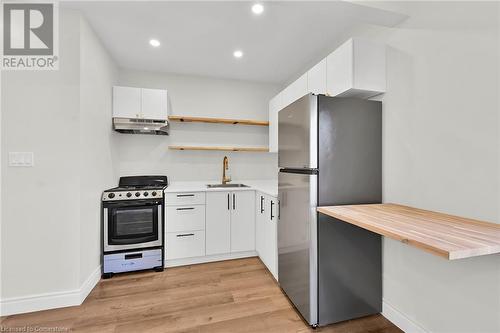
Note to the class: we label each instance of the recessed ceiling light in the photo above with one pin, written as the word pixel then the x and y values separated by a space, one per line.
pixel 257 9
pixel 154 42
pixel 238 54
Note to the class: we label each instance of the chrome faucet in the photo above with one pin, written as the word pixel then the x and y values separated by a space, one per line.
pixel 225 166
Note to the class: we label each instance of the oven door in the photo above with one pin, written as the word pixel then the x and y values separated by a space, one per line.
pixel 132 224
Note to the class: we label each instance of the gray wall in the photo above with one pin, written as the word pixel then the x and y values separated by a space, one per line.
pixel 207 97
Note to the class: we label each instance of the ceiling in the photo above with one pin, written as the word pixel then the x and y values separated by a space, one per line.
pixel 199 37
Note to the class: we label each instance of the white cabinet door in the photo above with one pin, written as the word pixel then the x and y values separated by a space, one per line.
pixel 266 232
pixel 243 221
pixel 154 104
pixel 356 69
pixel 295 90
pixel 274 107
pixel 316 78
pixel 126 102
pixel 218 222
pixel 339 76
pixel 260 227
pixel 272 236
pixel 184 244
pixel 185 218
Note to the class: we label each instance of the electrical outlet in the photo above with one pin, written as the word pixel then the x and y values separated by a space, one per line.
pixel 21 159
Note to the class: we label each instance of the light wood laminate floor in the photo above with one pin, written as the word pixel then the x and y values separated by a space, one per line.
pixel 228 296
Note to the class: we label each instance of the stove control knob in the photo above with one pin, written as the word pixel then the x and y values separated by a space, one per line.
pixel 111 195
pixel 146 194
pixel 153 194
pixel 137 194
pixel 129 195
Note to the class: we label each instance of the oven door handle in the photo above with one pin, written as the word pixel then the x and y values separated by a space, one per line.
pixel 131 240
pixel 134 203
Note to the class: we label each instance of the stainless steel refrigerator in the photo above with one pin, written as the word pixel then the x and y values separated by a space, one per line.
pixel 329 153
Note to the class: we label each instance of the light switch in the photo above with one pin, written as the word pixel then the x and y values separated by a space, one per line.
pixel 21 159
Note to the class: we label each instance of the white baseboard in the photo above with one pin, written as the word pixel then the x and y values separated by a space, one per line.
pixel 400 319
pixel 16 305
pixel 212 258
pixel 90 283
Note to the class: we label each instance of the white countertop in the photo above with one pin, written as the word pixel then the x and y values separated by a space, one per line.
pixel 269 187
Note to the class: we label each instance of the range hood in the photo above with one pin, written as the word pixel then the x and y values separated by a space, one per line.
pixel 140 126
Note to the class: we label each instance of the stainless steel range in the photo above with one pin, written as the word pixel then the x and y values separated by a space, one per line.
pixel 133 225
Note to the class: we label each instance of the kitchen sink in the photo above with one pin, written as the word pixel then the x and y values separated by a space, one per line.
pixel 226 185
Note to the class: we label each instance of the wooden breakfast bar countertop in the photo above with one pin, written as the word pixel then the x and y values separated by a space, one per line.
pixel 448 236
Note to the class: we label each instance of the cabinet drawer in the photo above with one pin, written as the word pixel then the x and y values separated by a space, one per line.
pixel 185 244
pixel 184 218
pixel 185 198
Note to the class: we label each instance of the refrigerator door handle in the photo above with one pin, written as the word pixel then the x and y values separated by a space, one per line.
pixel 303 171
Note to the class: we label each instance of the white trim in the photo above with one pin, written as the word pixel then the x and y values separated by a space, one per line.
pixel 400 319
pixel 47 301
pixel 90 283
pixel 211 258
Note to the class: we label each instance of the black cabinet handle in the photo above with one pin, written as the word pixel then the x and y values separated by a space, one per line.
pixel 272 204
pixel 228 207
pixel 234 202
pixel 184 195
pixel 261 204
pixel 185 235
pixel 185 208
pixel 279 209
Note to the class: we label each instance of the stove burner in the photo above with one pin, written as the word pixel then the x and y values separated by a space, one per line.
pixel 137 187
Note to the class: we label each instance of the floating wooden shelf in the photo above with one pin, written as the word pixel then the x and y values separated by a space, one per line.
pixel 219 148
pixel 219 120
pixel 448 236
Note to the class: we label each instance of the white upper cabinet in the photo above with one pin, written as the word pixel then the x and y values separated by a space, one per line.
pixel 274 107
pixel 356 69
pixel 316 78
pixel 294 91
pixel 130 102
pixel 154 104
pixel 126 102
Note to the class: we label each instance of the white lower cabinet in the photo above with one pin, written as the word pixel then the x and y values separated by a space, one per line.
pixel 185 218
pixel 218 223
pixel 243 221
pixel 184 225
pixel 266 227
pixel 185 244
pixel 230 222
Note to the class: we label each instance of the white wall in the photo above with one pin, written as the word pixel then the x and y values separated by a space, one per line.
pixel 98 74
pixel 208 97
pixel 51 217
pixel 40 217
pixel 441 152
